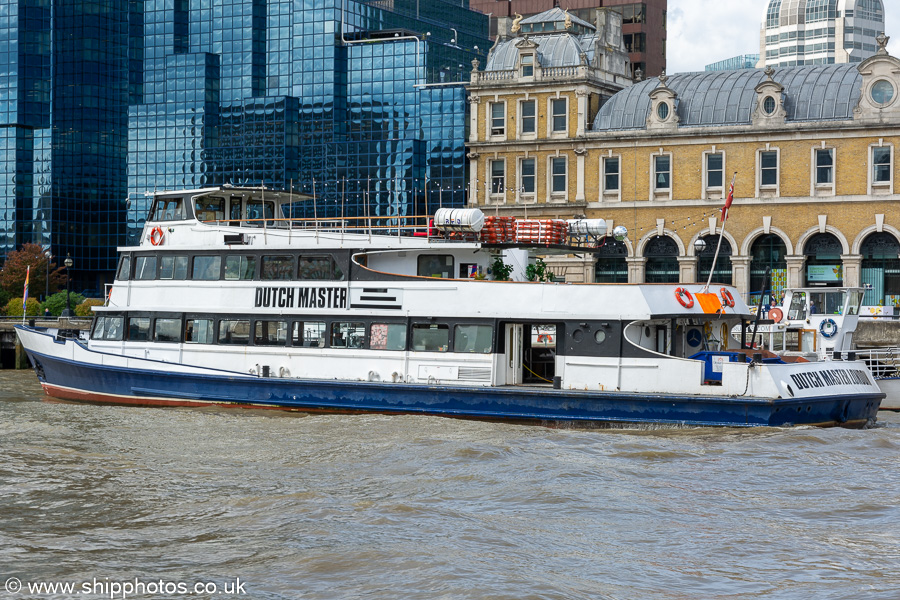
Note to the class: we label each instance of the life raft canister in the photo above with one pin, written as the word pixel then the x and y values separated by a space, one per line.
pixel 684 297
pixel 828 328
pixel 727 298
pixel 156 236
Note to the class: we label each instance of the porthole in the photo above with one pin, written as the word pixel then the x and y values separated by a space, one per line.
pixel 578 335
pixel 882 92
pixel 769 105
pixel 600 336
pixel 662 111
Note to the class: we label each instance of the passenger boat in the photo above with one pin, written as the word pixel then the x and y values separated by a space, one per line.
pixel 819 324
pixel 229 301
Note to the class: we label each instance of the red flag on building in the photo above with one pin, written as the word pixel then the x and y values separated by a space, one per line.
pixel 729 199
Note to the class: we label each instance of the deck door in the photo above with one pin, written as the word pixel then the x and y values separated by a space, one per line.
pixel 514 353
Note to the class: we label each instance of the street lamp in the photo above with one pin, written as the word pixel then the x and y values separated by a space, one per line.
pixel 49 258
pixel 68 262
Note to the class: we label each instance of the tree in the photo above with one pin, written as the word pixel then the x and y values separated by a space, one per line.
pixel 84 309
pixel 14 307
pixel 57 303
pixel 12 276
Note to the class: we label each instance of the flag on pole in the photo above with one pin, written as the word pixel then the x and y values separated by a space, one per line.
pixel 25 295
pixel 729 199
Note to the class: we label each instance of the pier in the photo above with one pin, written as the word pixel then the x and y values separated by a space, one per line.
pixel 11 354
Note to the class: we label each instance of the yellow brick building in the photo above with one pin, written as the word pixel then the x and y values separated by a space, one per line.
pixel 811 149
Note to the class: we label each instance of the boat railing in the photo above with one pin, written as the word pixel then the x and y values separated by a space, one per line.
pixel 882 362
pixel 376 225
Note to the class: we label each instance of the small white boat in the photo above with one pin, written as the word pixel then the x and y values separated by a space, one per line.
pixel 229 301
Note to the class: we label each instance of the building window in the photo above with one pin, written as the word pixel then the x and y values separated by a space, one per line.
pixel 529 116
pixel 662 111
pixel 558 115
pixel 527 64
pixel 498 118
pixel 558 175
pixel 881 164
pixel 498 176
pixel 769 105
pixel 825 166
pixel 768 168
pixel 611 174
pixel 527 175
pixel 715 164
pixel 662 172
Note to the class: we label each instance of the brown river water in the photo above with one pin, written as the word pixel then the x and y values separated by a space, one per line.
pixel 125 502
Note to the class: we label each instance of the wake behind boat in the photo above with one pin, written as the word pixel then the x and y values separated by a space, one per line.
pixel 229 301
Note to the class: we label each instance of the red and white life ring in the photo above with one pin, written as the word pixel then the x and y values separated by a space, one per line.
pixel 776 314
pixel 684 297
pixel 727 298
pixel 156 236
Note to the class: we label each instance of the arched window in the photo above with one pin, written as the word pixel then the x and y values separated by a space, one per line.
pixel 881 269
pixel 662 260
pixel 767 252
pixel 722 273
pixel 611 265
pixel 773 14
pixel 823 260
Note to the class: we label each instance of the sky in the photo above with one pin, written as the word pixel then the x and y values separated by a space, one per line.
pixel 701 32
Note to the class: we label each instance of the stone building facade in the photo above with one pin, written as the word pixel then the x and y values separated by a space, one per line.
pixel 812 150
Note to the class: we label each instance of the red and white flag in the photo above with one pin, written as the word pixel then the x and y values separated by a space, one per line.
pixel 729 199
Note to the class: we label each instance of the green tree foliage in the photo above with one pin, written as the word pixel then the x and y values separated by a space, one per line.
pixel 12 276
pixel 57 303
pixel 14 307
pixel 84 309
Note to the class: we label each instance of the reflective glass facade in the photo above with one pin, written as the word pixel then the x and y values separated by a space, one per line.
pixel 326 96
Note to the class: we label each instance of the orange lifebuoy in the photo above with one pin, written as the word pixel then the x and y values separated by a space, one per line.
pixel 776 314
pixel 684 297
pixel 727 298
pixel 156 236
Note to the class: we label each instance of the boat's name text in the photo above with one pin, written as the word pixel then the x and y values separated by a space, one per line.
pixel 829 377
pixel 303 297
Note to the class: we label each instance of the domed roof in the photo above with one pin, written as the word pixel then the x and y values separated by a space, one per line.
pixel 709 98
pixel 558 50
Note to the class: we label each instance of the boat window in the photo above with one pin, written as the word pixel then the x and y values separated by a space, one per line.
pixel 210 209
pixel 108 328
pixel 270 333
pixel 431 337
pixel 435 265
pixel 234 332
pixel 240 267
pixel 235 216
pixel 255 213
pixel 348 335
pixel 206 268
pixel 309 333
pixel 855 301
pixel 173 267
pixel 798 306
pixel 472 338
pixel 167 330
pixel 319 268
pixel 387 336
pixel 277 267
pixel 198 331
pixel 834 303
pixel 139 329
pixel 145 267
pixel 169 209
pixel 124 271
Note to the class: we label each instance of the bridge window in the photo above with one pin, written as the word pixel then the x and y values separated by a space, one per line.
pixel 139 329
pixel 108 328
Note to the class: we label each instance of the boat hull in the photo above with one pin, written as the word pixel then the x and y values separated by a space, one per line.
pixel 81 380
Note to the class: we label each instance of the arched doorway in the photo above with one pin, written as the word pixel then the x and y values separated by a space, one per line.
pixel 880 269
pixel 768 252
pixel 723 272
pixel 611 265
pixel 661 253
pixel 824 266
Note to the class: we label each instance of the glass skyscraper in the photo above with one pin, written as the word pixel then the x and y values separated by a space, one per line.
pixel 346 99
